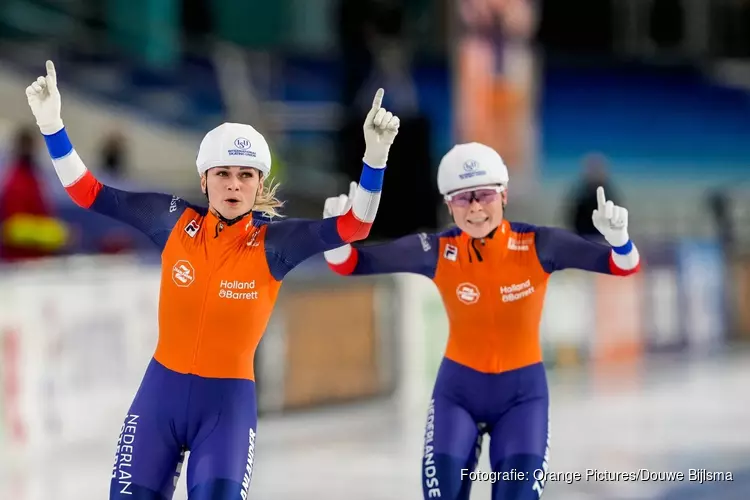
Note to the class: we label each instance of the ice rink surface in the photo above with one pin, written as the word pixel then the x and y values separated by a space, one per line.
pixel 672 416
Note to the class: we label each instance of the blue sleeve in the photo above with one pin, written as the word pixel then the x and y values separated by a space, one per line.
pixel 153 214
pixel 416 253
pixel 291 242
pixel 559 249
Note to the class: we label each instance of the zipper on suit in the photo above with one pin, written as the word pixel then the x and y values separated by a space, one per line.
pixel 202 318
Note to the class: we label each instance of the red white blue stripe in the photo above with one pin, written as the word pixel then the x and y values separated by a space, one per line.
pixel 81 185
pixel 355 224
pixel 624 260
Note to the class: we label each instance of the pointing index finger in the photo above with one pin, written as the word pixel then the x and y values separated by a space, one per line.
pixel 378 99
pixel 601 200
pixel 51 72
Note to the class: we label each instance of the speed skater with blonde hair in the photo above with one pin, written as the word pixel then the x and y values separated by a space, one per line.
pixel 222 268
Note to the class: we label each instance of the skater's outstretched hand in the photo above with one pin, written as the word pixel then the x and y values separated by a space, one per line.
pixel 45 102
pixel 380 128
pixel 339 205
pixel 610 220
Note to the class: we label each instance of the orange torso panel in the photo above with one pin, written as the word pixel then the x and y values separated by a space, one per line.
pixel 493 290
pixel 217 295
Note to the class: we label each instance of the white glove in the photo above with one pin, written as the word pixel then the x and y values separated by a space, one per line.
pixel 334 207
pixel 339 205
pixel 45 102
pixel 610 220
pixel 381 127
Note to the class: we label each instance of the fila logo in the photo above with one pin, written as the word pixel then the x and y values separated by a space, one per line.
pixel 450 252
pixel 468 293
pixel 183 273
pixel 192 228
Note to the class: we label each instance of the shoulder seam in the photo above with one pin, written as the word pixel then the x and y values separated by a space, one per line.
pixel 523 227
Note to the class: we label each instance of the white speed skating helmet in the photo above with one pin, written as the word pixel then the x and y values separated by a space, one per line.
pixel 470 165
pixel 234 145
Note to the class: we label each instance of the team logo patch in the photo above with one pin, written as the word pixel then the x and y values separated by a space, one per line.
pixel 192 228
pixel 468 293
pixel 183 273
pixel 450 252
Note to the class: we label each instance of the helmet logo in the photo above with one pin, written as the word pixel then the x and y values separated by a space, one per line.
pixel 470 165
pixel 242 148
pixel 471 169
pixel 242 143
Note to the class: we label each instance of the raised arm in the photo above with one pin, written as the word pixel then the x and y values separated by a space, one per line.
pixel 154 214
pixel 289 243
pixel 559 249
pixel 416 253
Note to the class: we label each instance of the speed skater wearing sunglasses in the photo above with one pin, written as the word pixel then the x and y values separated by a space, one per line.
pixel 492 277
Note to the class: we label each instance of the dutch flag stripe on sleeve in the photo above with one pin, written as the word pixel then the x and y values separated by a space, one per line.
pixel 342 260
pixel 624 260
pixel 356 223
pixel 81 185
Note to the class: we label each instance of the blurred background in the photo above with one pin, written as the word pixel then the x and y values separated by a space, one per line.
pixel 650 98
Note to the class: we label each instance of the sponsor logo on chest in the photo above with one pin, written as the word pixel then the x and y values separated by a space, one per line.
pixel 516 291
pixel 468 293
pixel 238 290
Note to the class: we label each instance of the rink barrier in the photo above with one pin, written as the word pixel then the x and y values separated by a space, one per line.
pixel 77 333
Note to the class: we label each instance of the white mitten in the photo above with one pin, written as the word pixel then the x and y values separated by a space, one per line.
pixel 339 205
pixel 45 102
pixel 610 220
pixel 381 128
pixel 334 207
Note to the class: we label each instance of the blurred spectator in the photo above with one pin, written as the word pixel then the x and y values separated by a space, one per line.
pixel 116 238
pixel 731 27
pixel 583 200
pixel 114 156
pixel 565 30
pixel 495 77
pixel 29 229
pixel 719 205
pixel 376 53
pixel 667 23
pixel 355 23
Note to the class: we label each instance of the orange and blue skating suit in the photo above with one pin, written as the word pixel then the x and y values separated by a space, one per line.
pixel 492 379
pixel 219 284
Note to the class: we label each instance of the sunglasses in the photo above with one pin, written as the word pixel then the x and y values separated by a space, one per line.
pixel 483 196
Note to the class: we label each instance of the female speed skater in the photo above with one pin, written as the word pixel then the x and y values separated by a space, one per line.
pixel 222 268
pixel 492 276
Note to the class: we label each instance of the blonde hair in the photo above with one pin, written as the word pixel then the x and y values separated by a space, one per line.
pixel 266 201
